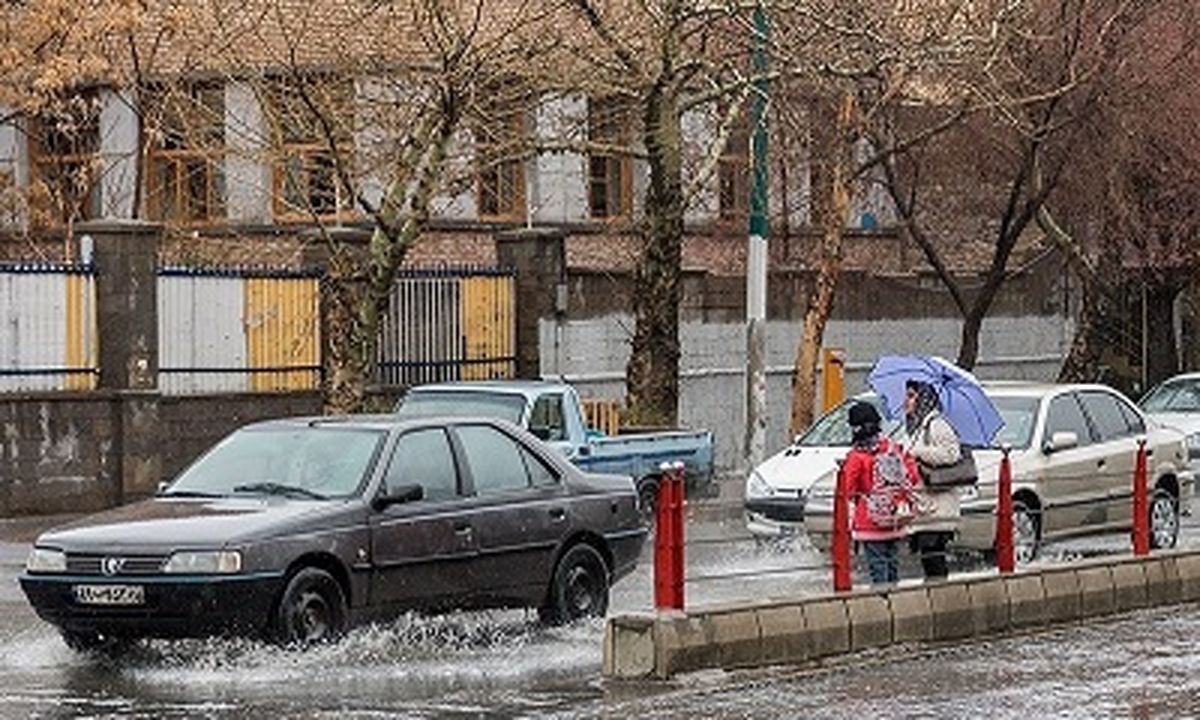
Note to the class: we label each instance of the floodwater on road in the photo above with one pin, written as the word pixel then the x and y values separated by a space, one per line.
pixel 504 664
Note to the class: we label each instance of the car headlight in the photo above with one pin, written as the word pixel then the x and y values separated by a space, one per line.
pixel 212 562
pixel 45 560
pixel 758 487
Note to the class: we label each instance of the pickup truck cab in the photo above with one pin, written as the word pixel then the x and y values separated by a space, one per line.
pixel 552 412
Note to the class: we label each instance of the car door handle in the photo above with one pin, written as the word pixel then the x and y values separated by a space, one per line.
pixel 558 514
pixel 1101 463
pixel 463 531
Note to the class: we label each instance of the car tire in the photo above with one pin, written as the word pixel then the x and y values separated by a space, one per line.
pixel 647 491
pixel 579 587
pixel 1027 532
pixel 311 610
pixel 1164 519
pixel 96 643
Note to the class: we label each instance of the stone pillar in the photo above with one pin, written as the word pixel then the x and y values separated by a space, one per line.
pixel 539 257
pixel 126 258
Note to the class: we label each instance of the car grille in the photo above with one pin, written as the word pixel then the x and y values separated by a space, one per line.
pixel 81 564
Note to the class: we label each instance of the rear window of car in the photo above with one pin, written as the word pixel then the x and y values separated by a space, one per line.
pixel 439 403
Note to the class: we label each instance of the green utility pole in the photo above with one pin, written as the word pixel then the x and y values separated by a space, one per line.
pixel 756 253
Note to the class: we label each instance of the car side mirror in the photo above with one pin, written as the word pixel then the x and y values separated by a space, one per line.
pixel 1063 440
pixel 399 496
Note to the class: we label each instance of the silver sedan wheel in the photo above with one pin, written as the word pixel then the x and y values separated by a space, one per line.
pixel 1025 533
pixel 1164 520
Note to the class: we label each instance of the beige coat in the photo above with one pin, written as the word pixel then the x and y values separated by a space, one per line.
pixel 936 443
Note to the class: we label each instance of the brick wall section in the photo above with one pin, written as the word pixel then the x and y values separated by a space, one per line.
pixel 78 452
pixel 59 452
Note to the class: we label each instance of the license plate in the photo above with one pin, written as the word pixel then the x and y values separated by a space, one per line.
pixel 110 594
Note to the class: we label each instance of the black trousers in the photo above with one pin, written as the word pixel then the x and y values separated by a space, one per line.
pixel 932 548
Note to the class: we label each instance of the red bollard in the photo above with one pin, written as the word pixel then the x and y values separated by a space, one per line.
pixel 840 543
pixel 1005 557
pixel 668 539
pixel 1141 506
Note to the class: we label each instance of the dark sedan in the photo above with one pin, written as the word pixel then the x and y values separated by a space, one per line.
pixel 298 529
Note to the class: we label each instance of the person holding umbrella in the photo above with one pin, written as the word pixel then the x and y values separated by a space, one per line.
pixel 945 411
pixel 932 442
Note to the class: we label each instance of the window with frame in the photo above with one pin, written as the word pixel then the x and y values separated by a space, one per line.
pixel 610 174
pixel 1106 415
pixel 1065 415
pixel 305 115
pixel 64 142
pixel 495 459
pixel 733 172
pixel 186 178
pixel 499 145
pixel 546 418
pixel 423 457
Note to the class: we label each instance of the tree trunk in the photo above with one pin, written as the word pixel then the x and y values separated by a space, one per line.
pixel 652 374
pixel 1162 357
pixel 829 265
pixel 1082 363
pixel 359 291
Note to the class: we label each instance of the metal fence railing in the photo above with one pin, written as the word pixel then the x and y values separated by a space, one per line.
pixel 48 337
pixel 449 324
pixel 238 329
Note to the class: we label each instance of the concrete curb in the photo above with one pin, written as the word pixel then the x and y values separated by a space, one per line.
pixel 779 632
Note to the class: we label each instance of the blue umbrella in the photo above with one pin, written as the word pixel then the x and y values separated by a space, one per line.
pixel 964 403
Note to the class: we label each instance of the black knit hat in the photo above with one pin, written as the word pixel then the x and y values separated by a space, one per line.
pixel 863 413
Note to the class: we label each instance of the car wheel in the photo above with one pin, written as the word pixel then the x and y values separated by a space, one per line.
pixel 1027 532
pixel 1164 519
pixel 311 610
pixel 579 587
pixel 648 500
pixel 96 643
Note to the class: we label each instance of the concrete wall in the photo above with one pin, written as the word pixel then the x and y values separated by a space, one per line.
pixel 592 354
pixel 801 631
pixel 558 191
pixel 75 452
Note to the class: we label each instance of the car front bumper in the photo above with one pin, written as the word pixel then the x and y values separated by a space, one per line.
pixel 774 517
pixel 173 607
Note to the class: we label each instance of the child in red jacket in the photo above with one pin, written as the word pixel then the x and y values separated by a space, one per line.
pixel 881 479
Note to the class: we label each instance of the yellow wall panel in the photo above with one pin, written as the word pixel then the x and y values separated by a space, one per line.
pixel 488 327
pixel 281 327
pixel 80 331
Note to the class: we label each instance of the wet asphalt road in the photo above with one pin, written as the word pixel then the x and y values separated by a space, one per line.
pixel 501 664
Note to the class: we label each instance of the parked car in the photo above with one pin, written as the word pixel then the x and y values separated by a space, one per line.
pixel 776 490
pixel 552 412
pixel 1074 449
pixel 1176 403
pixel 297 529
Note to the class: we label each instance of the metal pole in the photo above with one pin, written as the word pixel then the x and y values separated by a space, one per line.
pixel 756 255
pixel 839 546
pixel 1141 509
pixel 1005 561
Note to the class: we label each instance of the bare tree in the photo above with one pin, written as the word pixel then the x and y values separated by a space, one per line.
pixel 1038 90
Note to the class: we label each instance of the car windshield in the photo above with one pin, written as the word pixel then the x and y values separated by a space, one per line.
pixel 1173 396
pixel 1020 417
pixel 440 403
pixel 307 462
pixel 833 428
